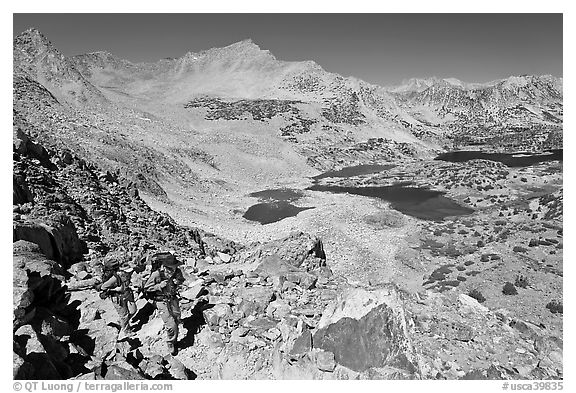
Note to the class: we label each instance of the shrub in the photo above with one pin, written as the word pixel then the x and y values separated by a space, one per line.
pixel 521 281
pixel 509 289
pixel 385 219
pixel 476 294
pixel 555 306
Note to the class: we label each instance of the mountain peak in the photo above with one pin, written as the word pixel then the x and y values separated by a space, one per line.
pixel 33 32
pixel 31 37
pixel 245 42
pixel 246 46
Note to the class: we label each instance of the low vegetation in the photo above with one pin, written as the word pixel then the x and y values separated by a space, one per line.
pixel 521 281
pixel 385 219
pixel 509 289
pixel 476 294
pixel 555 307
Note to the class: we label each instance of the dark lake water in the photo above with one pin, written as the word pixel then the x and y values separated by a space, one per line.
pixel 274 205
pixel 511 160
pixel 278 194
pixel 269 212
pixel 355 170
pixel 416 202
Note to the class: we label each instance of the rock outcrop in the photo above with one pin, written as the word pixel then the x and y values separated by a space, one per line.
pixel 368 329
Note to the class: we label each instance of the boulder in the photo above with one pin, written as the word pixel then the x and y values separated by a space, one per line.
pixel 176 368
pixel 122 372
pixel 219 312
pixel 274 266
pixel 22 246
pixel 546 344
pixel 29 340
pixel 38 234
pixel 23 145
pixel 367 329
pixel 21 368
pixel 470 304
pixel 225 258
pixel 254 299
pixel 104 338
pixel 302 344
pixel 194 291
pixel 278 309
pixel 299 250
pixel 152 367
pixel 26 256
pixel 302 279
pixel 325 361
pixel 56 236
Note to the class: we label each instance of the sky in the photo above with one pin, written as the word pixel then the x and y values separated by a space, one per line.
pixel 383 49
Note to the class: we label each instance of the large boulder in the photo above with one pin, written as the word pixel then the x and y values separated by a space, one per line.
pixel 55 235
pixel 299 250
pixel 32 272
pixel 38 355
pixel 22 144
pixel 367 329
pixel 280 271
pixel 122 371
pixel 27 256
pixel 35 233
pixel 21 369
pixel 254 299
pixel 104 337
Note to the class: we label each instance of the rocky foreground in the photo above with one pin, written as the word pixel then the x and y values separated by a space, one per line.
pixel 252 311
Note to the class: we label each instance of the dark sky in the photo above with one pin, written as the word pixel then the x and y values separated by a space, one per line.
pixel 379 48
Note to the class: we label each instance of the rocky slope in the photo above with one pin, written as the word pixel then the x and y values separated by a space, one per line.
pixel 36 57
pixel 271 310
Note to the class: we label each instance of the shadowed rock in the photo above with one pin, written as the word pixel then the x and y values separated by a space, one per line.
pixel 367 329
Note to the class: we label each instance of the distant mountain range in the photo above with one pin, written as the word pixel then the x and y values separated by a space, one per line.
pixel 327 118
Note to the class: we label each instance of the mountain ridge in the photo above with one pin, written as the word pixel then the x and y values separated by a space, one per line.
pixel 36 56
pixel 310 104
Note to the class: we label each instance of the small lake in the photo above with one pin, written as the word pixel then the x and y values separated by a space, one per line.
pixel 521 159
pixel 269 212
pixel 275 205
pixel 416 202
pixel 278 194
pixel 423 203
pixel 355 170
